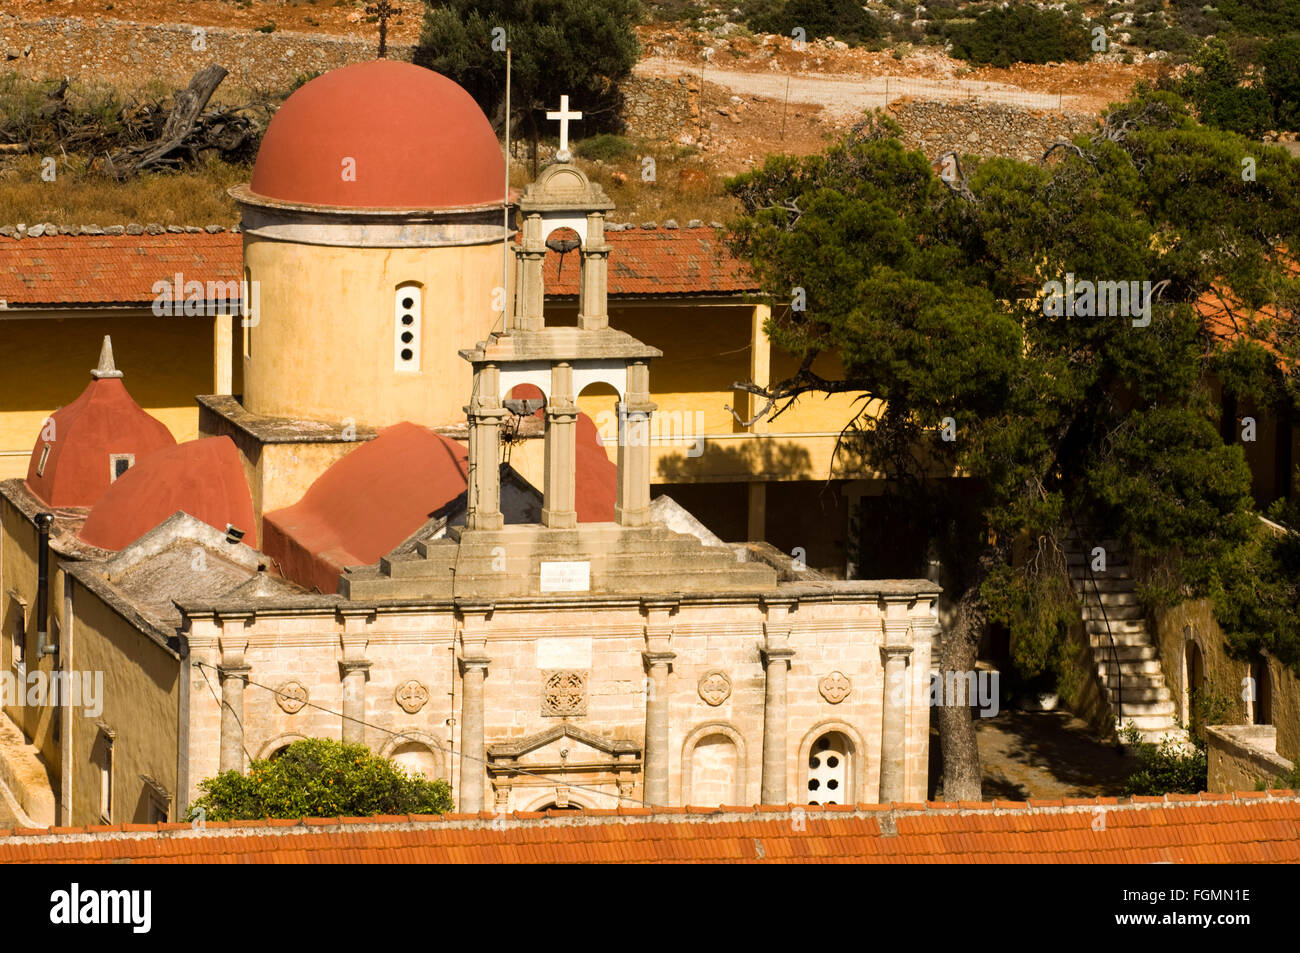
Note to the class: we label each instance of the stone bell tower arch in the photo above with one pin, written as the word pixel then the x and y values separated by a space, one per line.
pixel 562 197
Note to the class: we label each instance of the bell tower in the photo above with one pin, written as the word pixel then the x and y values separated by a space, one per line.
pixel 489 558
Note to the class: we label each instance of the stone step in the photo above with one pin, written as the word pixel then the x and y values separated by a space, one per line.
pixel 1106 666
pixel 1139 693
pixel 1126 654
pixel 1112 612
pixel 1110 599
pixel 1101 642
pixel 1150 710
pixel 1103 584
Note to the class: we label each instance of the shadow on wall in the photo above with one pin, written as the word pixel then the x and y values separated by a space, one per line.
pixel 753 458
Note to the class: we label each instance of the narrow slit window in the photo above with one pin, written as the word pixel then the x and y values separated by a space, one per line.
pixel 45 455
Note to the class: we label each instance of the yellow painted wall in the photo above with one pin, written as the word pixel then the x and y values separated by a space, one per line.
pixel 18 555
pixel 706 349
pixel 47 362
pixel 322 347
pixel 139 699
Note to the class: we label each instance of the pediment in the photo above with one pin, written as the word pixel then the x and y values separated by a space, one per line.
pixel 562 744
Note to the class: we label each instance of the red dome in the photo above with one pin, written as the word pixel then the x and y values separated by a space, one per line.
pixel 103 423
pixel 204 478
pixel 418 140
pixel 365 504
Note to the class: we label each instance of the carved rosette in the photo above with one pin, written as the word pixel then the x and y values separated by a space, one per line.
pixel 292 696
pixel 715 687
pixel 411 695
pixel 835 687
pixel 564 692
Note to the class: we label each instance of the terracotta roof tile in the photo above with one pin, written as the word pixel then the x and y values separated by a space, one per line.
pixel 89 270
pixel 1241 829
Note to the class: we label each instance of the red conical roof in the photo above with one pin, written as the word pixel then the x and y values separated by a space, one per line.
pixel 72 462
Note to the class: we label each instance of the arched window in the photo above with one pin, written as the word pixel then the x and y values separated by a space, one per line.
pixel 829 774
pixel 1263 710
pixel 408 305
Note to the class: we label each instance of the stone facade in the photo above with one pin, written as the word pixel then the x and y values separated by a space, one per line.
pixel 608 641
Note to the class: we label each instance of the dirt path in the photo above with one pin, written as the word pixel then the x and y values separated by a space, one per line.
pixel 845 96
pixel 1049 755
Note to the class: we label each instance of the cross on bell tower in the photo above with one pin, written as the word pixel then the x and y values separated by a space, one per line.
pixel 564 115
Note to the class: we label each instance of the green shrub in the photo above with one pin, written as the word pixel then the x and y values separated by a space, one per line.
pixel 318 777
pixel 1021 33
pixel 1280 61
pixel 843 19
pixel 1165 768
pixel 605 147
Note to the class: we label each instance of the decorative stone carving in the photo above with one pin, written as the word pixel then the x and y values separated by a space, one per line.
pixel 715 687
pixel 835 687
pixel 411 695
pixel 291 697
pixel 564 693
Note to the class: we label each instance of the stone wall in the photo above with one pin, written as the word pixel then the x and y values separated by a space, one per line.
pixel 984 129
pixel 114 51
pixel 656 108
pixel 1242 756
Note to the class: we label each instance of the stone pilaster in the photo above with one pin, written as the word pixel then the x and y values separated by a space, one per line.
pixel 657 666
pixel 559 503
pixel 474 663
pixel 530 292
pixel 233 680
pixel 776 653
pixel 632 507
pixel 894 656
pixel 593 313
pixel 233 672
pixel 483 510
pixel 473 670
pixel 354 673
pixel 658 659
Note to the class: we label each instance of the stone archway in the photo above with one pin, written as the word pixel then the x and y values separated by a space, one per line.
pixel 695 771
pixel 854 773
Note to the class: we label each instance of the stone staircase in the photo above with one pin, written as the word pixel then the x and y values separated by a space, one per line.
pixel 1130 672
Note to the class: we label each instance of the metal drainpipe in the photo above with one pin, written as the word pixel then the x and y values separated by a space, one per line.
pixel 43 523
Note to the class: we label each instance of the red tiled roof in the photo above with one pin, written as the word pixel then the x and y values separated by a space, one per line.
pixel 659 261
pixel 88 270
pixel 1250 827
pixel 82 270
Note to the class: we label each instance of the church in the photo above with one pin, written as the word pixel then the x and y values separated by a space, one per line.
pixel 407 529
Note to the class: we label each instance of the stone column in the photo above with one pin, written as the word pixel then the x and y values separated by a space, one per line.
pixel 559 504
pixel 354 673
pixel 485 413
pixel 632 507
pixel 530 290
pixel 223 353
pixel 657 666
pixel 473 672
pixel 760 364
pixel 894 655
pixel 593 313
pixel 233 679
pixel 776 653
